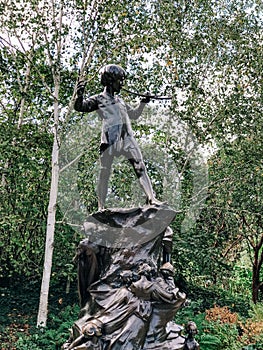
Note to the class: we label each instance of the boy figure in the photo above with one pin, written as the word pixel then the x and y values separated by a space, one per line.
pixel 117 136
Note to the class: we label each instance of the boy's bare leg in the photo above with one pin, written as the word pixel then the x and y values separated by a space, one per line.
pixel 144 180
pixel 105 170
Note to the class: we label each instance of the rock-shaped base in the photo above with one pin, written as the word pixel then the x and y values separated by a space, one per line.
pixel 128 228
pixel 126 289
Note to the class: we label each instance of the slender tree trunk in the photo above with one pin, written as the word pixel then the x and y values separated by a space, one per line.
pixel 255 284
pixel 257 265
pixel 51 220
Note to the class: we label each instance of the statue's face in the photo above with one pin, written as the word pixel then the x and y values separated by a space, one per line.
pixel 167 273
pixel 117 85
pixel 90 330
pixel 192 329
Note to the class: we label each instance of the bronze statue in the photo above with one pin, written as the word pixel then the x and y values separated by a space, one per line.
pixel 117 136
pixel 125 276
pixel 191 343
pixel 127 294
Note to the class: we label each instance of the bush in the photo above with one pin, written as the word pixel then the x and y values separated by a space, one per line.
pixel 252 328
pixel 52 337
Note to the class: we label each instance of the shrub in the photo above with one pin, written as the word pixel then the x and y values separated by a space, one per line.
pixel 252 328
pixel 221 314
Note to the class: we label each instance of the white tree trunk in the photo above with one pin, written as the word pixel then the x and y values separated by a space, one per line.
pixel 51 221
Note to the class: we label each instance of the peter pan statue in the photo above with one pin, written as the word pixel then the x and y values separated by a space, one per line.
pixel 117 136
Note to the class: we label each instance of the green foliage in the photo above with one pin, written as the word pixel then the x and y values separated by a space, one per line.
pixel 212 335
pixel 239 282
pixel 219 332
pixel 18 318
pixel 227 334
pixel 18 313
pixel 256 312
pixel 238 167
pixel 54 336
pixel 228 235
pixel 208 55
pixel 25 182
pixel 64 269
pixel 224 327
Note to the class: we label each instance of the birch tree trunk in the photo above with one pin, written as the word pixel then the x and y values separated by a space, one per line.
pixel 51 221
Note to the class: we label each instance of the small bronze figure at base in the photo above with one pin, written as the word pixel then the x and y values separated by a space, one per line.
pixel 191 343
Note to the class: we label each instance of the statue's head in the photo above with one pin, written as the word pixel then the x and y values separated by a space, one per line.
pixel 191 328
pixel 126 276
pixel 145 270
pixel 92 328
pixel 167 269
pixel 112 74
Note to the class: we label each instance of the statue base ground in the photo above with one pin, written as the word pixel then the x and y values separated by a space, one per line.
pixel 126 284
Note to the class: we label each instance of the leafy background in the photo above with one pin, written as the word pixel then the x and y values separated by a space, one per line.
pixel 208 56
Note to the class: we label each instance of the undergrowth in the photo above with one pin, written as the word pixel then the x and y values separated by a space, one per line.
pixel 221 327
